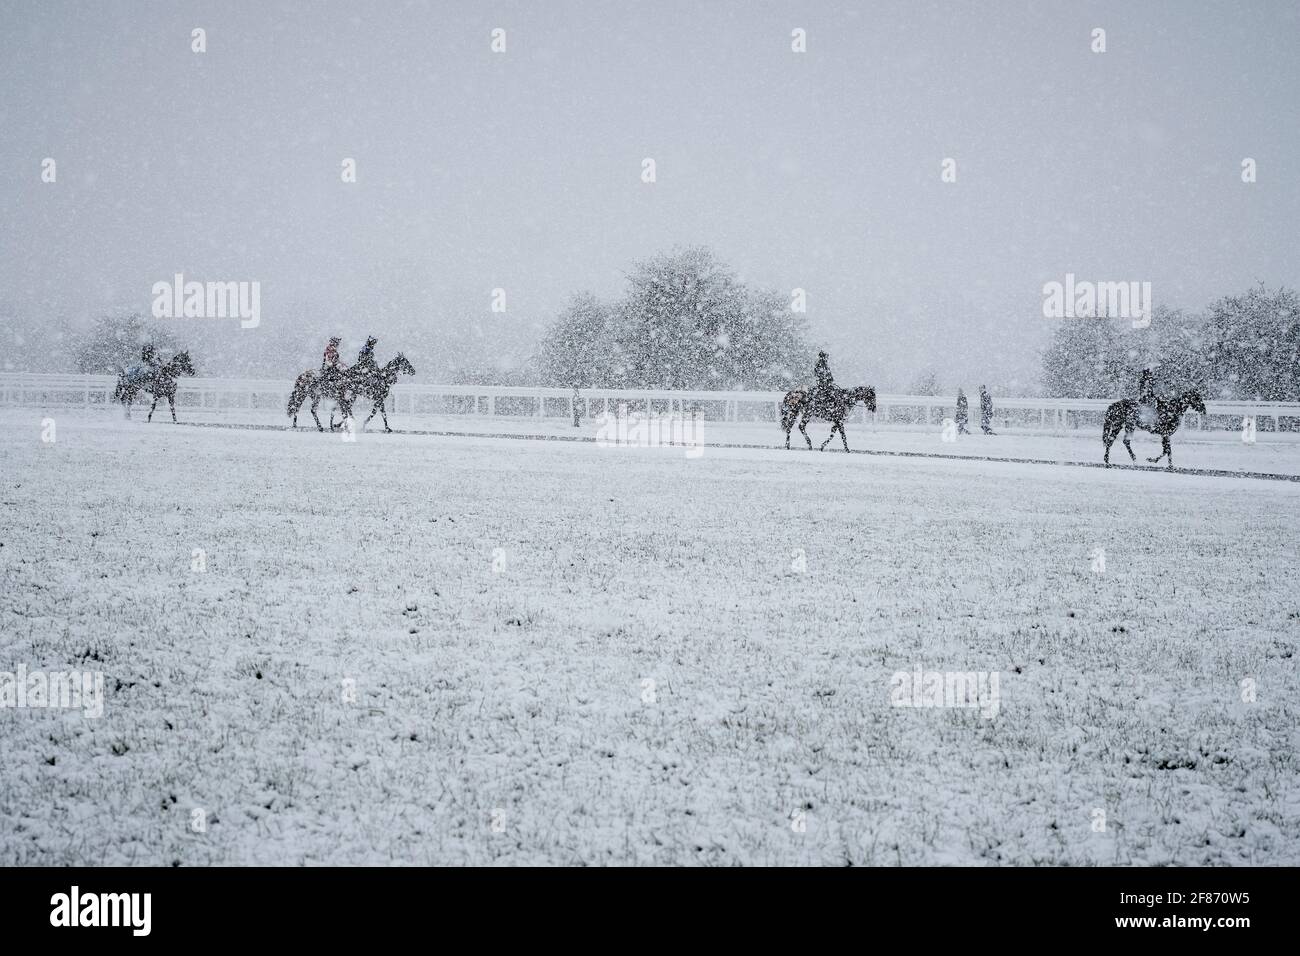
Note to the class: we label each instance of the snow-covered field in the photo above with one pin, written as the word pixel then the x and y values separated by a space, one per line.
pixel 445 649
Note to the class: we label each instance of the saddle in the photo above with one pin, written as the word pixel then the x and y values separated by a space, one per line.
pixel 824 397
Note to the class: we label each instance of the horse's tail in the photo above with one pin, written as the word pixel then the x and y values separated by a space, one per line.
pixel 299 394
pixel 791 405
pixel 1113 423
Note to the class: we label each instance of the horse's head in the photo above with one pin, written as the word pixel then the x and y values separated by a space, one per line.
pixel 181 363
pixel 864 394
pixel 1193 401
pixel 401 364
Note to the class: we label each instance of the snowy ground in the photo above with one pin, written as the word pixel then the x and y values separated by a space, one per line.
pixel 501 606
pixel 1271 453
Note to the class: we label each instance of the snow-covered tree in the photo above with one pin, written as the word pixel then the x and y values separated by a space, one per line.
pixel 1084 359
pixel 114 343
pixel 579 347
pixel 1252 343
pixel 686 322
pixel 925 383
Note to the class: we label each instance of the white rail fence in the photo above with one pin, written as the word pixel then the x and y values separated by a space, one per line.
pixel 230 396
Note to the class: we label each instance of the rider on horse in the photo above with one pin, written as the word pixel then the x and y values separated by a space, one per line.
pixel 149 368
pixel 1146 396
pixel 331 359
pixel 366 357
pixel 330 366
pixel 825 380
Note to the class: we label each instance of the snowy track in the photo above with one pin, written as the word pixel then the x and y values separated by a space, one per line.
pixel 526 436
pixel 500 606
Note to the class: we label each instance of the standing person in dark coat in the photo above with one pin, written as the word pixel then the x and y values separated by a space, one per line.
pixel 963 416
pixel 986 411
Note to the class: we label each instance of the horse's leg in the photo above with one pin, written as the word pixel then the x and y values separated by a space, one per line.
pixel 315 403
pixel 844 437
pixel 1164 450
pixel 1128 435
pixel 834 425
pixel 383 413
pixel 803 428
pixel 151 408
pixel 373 409
pixel 171 400
pixel 1168 451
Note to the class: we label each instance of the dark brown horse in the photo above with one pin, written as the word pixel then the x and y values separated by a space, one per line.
pixel 345 387
pixel 374 384
pixel 830 405
pixel 1125 415
pixel 318 385
pixel 160 382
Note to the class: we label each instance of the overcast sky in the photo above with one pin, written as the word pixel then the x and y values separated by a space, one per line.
pixel 522 170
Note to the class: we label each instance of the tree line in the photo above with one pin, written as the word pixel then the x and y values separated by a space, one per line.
pixel 1243 347
pixel 685 321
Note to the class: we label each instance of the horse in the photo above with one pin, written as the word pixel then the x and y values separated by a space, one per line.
pixel 374 382
pixel 160 382
pixel 832 406
pixel 1124 415
pixel 316 385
